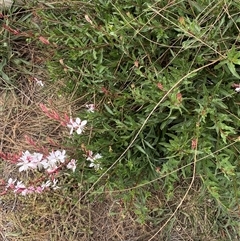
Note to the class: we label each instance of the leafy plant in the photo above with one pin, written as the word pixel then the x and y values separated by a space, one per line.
pixel 162 77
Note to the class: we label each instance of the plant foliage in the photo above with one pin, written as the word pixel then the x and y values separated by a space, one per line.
pixel 160 74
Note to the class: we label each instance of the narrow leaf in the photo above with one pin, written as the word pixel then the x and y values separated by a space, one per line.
pixel 232 68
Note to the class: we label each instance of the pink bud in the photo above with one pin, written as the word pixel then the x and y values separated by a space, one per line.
pixel 44 40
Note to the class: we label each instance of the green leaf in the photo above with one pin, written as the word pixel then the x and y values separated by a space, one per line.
pixel 108 109
pixel 140 149
pixel 149 145
pixel 225 166
pixel 219 65
pixel 232 68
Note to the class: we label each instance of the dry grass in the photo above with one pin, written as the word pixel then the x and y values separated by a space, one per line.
pixel 46 217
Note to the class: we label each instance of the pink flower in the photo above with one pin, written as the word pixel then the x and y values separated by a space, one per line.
pixel 72 165
pixel 24 192
pixel 38 189
pixel 20 187
pixel 30 190
pixel 51 163
pixel 52 170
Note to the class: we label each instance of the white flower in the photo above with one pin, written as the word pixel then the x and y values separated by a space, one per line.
pixel 96 166
pixel 26 161
pixel 97 156
pixel 20 185
pixel 49 163
pixel 54 185
pixel 39 82
pixel 80 125
pixel 36 160
pixel 46 184
pixel 24 165
pixel 45 163
pixel 90 108
pixel 54 158
pixel 60 155
pixel 72 165
pixel 10 183
pixel 237 89
pixel 71 125
pixel 92 158
pixel 77 125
